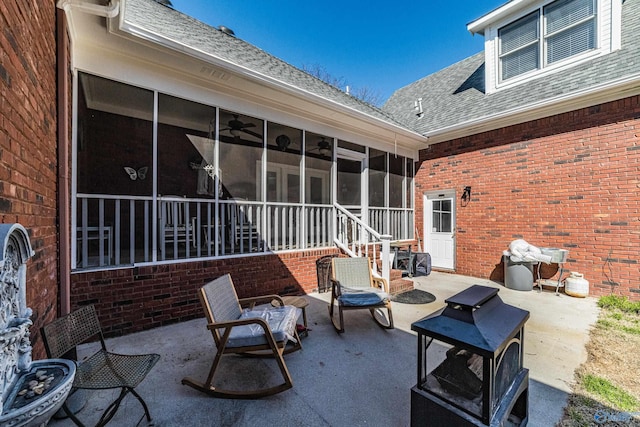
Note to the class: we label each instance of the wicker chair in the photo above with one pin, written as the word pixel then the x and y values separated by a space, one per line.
pixel 353 287
pixel 102 370
pixel 257 331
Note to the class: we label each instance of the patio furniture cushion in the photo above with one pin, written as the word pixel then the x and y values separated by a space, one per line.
pixel 359 298
pixel 281 321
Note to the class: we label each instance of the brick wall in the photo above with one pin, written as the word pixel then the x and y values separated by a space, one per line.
pixel 130 300
pixel 570 181
pixel 28 162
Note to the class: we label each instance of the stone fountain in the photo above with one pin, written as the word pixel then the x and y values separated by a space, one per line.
pixel 31 391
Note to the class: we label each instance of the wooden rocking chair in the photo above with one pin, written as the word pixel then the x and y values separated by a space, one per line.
pixel 257 331
pixel 354 287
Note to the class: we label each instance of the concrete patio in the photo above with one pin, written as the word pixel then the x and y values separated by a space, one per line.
pixel 362 377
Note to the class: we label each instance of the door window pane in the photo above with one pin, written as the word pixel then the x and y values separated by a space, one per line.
pixel 441 216
pixel 349 182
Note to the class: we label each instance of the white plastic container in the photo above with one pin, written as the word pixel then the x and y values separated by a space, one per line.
pixel 576 285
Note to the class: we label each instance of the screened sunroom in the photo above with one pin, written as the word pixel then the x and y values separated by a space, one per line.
pixel 159 178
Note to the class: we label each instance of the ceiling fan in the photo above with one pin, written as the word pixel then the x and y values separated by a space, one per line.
pixel 236 127
pixel 323 147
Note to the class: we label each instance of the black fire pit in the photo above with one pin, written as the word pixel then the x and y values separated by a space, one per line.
pixel 474 376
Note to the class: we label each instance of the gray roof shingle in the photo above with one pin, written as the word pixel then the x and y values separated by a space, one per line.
pixel 456 94
pixel 184 30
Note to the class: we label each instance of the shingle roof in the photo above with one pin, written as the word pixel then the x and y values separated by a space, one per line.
pixel 456 94
pixel 184 30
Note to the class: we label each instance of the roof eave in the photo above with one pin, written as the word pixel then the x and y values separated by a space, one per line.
pixel 479 25
pixel 125 28
pixel 607 92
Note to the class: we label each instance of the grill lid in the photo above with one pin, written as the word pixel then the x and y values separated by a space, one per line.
pixel 476 318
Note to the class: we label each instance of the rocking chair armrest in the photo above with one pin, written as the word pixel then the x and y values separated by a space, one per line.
pixel 336 289
pixel 251 301
pixel 381 283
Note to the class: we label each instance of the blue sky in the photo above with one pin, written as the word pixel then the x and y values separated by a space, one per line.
pixel 379 45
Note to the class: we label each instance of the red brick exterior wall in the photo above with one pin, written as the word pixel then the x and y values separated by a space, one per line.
pixel 130 300
pixel 28 162
pixel 570 181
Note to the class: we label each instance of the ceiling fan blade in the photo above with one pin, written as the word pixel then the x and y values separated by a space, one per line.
pixel 248 125
pixel 257 135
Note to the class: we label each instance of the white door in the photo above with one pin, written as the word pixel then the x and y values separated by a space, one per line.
pixel 439 230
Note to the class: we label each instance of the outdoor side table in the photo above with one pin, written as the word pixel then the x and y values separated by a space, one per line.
pixel 300 303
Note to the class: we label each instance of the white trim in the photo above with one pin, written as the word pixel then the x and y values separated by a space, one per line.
pixel 427 212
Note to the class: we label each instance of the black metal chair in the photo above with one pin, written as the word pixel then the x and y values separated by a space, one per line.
pixel 102 370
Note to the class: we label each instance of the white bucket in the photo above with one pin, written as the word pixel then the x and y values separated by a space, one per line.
pixel 576 285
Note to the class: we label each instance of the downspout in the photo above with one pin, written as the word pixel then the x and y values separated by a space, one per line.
pixel 64 140
pixel 64 217
pixel 110 11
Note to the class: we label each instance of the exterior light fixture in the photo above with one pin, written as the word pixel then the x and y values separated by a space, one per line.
pixel 466 195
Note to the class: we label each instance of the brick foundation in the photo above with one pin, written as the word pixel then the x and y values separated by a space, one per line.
pixel 134 299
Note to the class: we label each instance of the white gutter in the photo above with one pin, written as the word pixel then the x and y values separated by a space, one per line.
pixel 623 84
pixel 110 11
pixel 478 26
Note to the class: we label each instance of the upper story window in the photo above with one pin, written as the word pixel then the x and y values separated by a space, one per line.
pixel 550 34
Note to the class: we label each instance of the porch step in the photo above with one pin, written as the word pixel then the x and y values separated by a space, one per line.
pixel 397 286
pixel 395 274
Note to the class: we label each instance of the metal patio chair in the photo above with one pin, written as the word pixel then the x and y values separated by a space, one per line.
pixel 354 287
pixel 264 330
pixel 102 370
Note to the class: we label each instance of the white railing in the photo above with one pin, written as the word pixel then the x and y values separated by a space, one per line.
pixel 122 230
pixel 398 222
pixel 358 239
pixel 129 230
